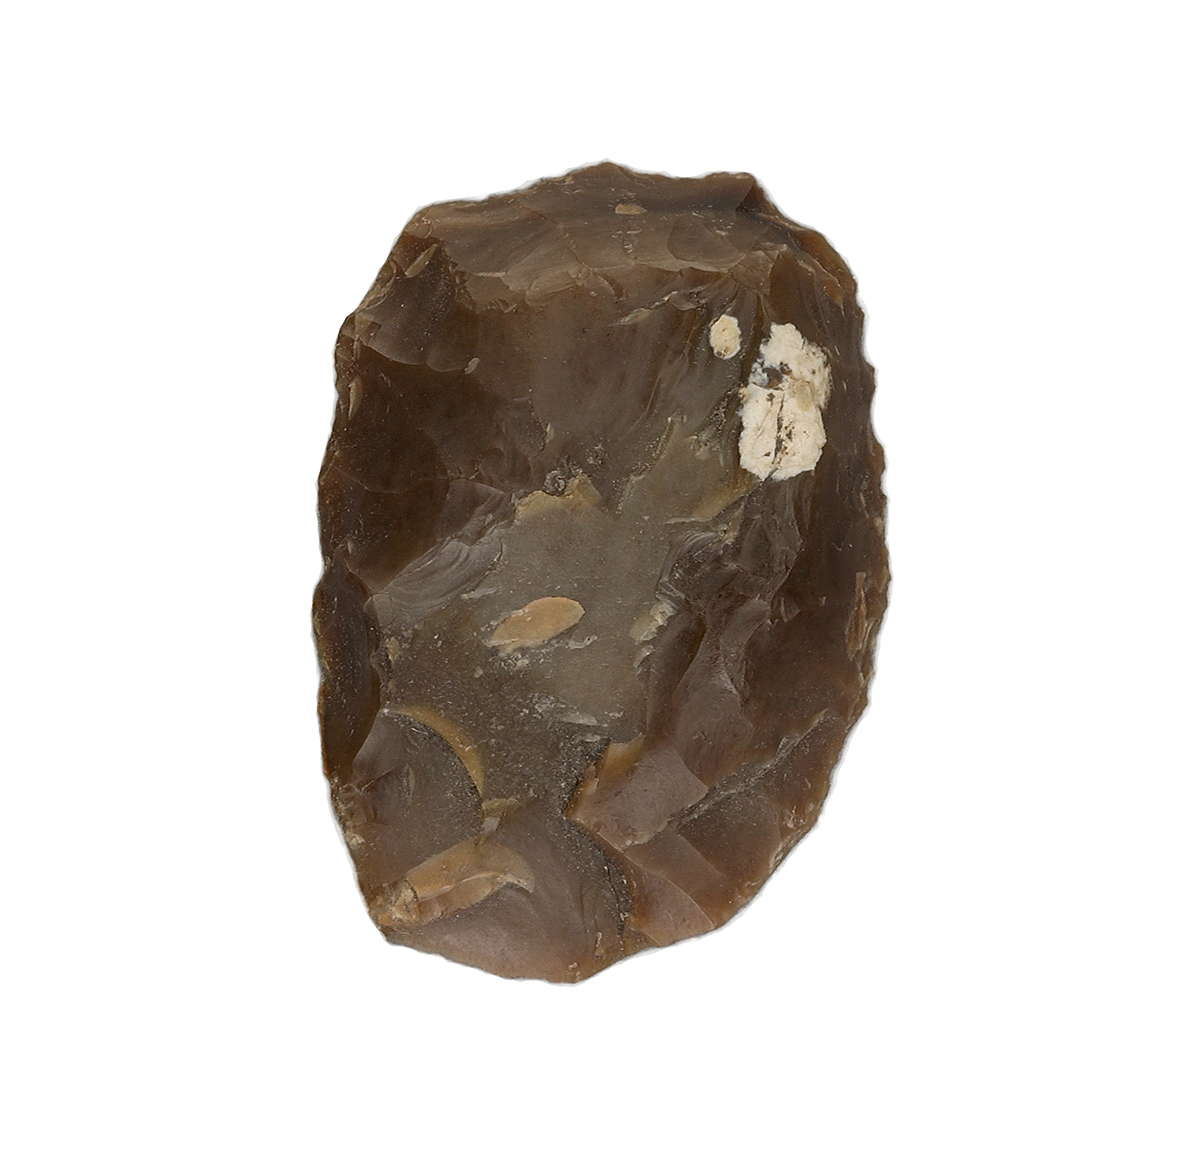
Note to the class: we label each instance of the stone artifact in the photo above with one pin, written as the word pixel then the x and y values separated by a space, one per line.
pixel 603 533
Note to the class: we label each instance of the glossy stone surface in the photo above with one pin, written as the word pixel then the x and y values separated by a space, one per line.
pixel 603 531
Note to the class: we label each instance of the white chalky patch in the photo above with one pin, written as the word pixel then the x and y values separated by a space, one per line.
pixel 782 431
pixel 725 337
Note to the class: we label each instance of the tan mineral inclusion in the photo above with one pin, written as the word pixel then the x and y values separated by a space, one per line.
pixel 602 520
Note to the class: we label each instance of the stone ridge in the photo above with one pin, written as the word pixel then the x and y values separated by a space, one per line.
pixel 602 519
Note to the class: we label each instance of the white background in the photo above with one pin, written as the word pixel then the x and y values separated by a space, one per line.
pixel 990 939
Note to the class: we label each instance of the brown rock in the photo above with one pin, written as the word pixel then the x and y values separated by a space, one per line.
pixel 603 531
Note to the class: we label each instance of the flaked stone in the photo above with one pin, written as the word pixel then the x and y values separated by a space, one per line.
pixel 603 531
